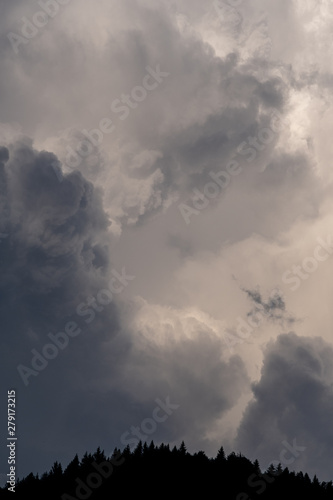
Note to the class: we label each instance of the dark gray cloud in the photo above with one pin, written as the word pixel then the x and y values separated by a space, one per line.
pixel 53 259
pixel 292 400
pixel 108 376
pixel 273 309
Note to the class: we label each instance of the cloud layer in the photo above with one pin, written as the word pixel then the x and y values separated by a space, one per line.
pixel 170 155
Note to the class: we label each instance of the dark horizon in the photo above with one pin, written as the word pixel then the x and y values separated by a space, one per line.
pixel 97 475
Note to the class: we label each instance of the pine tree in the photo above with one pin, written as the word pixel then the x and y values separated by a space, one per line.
pixel 127 452
pixel 138 452
pixel 271 470
pixel 182 449
pixel 151 449
pixel 256 466
pixel 315 481
pixel 99 456
pixel 116 454
pixel 220 457
pixel 86 462
pixel 73 467
pixel 307 479
pixel 174 451
pixel 279 470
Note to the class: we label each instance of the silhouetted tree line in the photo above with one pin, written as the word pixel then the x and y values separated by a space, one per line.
pixel 152 471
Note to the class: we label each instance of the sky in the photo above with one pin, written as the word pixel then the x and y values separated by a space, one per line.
pixel 166 243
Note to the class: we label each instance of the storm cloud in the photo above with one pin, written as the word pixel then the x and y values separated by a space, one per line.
pixel 292 401
pixel 158 160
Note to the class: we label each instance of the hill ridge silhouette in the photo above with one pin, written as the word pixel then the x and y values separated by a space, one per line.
pixel 165 472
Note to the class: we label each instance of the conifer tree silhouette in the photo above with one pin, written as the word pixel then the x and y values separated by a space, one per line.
pixel 168 473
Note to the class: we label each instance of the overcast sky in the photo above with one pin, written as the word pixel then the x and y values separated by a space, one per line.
pixel 166 227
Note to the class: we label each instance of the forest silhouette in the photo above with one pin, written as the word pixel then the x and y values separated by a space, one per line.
pixel 162 472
